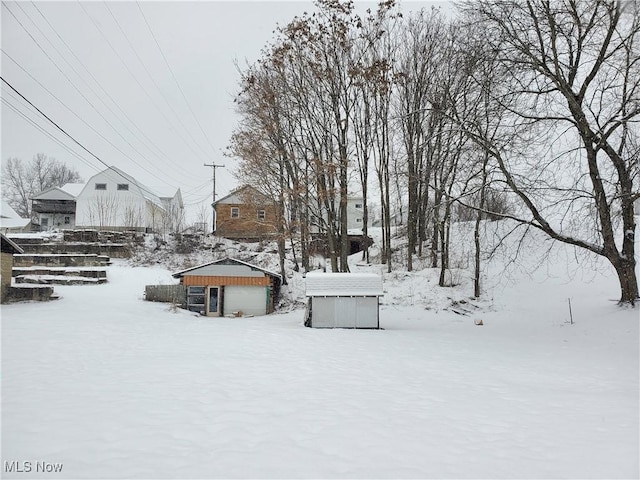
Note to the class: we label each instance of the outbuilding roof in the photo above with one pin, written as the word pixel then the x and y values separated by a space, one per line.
pixel 9 246
pixel 225 261
pixel 321 284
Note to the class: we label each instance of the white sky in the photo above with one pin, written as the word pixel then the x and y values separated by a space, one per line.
pixel 110 88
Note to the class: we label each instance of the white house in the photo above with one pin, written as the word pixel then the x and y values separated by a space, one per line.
pixel 355 215
pixel 56 206
pixel 114 200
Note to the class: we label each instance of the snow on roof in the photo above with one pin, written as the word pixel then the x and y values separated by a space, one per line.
pixel 233 260
pixel 8 212
pixel 321 284
pixel 73 189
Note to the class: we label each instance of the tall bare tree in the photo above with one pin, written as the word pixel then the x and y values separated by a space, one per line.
pixel 574 95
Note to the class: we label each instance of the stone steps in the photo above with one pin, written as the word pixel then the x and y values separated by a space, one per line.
pixel 60 260
pixel 86 272
pixel 58 280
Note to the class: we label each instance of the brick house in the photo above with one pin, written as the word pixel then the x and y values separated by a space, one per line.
pixel 245 214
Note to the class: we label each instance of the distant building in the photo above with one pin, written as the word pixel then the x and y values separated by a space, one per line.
pixel 114 200
pixel 355 215
pixel 56 206
pixel 245 214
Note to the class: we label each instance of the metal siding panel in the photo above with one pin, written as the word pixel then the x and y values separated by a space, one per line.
pixel 346 310
pixel 250 300
pixel 367 312
pixel 323 312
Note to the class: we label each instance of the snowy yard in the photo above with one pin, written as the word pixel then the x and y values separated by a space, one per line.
pixel 111 386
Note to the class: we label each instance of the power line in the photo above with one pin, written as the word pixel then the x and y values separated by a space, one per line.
pixel 149 143
pixel 80 118
pixel 54 123
pixel 68 135
pixel 86 99
pixel 174 77
pixel 48 134
pixel 135 78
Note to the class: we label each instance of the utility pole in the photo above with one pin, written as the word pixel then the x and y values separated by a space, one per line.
pixel 213 168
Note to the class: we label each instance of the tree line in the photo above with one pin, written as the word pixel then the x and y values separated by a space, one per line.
pixel 526 110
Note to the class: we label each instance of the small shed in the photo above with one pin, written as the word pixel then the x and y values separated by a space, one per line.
pixel 9 248
pixel 230 287
pixel 343 300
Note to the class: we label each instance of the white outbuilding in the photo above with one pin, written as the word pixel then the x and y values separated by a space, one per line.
pixel 343 300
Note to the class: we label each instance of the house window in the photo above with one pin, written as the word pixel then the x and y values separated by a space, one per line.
pixel 358 220
pixel 67 220
pixel 235 212
pixel 44 222
pixel 123 186
pixel 261 215
pixel 359 205
pixel 101 186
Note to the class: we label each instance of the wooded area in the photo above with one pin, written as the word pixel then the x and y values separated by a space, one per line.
pixel 508 109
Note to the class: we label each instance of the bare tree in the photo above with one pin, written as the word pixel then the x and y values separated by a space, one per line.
pixel 574 94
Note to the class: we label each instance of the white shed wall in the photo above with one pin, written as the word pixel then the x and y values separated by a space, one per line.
pixel 344 312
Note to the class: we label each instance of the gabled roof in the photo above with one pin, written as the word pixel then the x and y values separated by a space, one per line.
pixel 46 194
pixel 243 190
pixel 321 284
pixel 9 246
pixel 227 261
pixel 73 189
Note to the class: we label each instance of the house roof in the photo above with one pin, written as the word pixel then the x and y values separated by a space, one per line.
pixel 73 189
pixel 7 212
pixel 227 261
pixel 9 246
pixel 9 218
pixel 238 191
pixel 321 284
pixel 46 194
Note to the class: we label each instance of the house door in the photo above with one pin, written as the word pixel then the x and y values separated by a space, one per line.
pixel 213 303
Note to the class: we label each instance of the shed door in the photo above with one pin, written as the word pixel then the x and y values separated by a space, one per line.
pixel 249 300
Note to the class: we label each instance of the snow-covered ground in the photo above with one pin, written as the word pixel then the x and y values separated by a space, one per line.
pixel 111 386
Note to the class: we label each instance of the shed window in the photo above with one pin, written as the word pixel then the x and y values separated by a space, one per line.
pixel 67 220
pixel 261 215
pixel 101 186
pixel 235 212
pixel 195 299
pixel 123 186
pixel 358 205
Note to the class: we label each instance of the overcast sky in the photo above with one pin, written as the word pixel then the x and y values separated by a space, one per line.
pixel 147 87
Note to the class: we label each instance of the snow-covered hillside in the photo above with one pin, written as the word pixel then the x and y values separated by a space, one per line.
pixel 111 386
